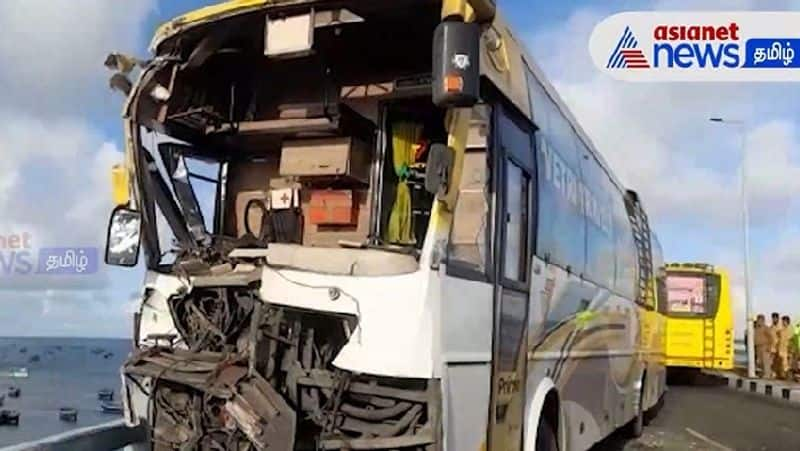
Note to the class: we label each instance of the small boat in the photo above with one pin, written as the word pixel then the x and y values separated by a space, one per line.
pixel 68 414
pixel 111 407
pixel 105 394
pixel 16 373
pixel 34 358
pixel 9 418
pixel 14 392
pixel 108 355
pixel 23 350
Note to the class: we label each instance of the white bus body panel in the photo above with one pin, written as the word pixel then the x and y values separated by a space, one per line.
pixel 155 315
pixel 582 338
pixel 395 332
pixel 466 337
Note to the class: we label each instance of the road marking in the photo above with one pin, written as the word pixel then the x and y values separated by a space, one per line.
pixel 708 440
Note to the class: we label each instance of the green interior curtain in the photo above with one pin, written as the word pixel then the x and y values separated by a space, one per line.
pixel 405 135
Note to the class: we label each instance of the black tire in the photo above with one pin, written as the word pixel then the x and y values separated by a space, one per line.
pixel 546 436
pixel 651 414
pixel 636 426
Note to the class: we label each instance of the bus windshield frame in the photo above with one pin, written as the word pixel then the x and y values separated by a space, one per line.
pixel 712 286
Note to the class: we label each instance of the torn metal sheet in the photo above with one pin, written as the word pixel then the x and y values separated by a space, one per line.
pixel 263 415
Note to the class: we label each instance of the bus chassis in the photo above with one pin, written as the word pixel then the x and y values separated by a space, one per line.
pixel 262 374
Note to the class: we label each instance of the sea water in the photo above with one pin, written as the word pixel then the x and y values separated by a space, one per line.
pixel 67 373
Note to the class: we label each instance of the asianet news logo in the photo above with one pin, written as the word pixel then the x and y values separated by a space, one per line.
pixel 701 45
pixel 696 45
pixel 735 46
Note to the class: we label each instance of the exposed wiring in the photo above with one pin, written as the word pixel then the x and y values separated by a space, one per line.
pixel 328 288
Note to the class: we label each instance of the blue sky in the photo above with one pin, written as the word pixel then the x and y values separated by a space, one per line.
pixel 60 132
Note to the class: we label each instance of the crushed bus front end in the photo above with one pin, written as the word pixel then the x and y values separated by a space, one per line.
pixel 242 371
pixel 276 163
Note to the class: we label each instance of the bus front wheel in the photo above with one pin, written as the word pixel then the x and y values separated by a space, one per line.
pixel 546 436
pixel 636 426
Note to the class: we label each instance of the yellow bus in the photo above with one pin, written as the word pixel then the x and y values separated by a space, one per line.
pixel 697 302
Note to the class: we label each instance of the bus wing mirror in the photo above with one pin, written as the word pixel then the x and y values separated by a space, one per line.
pixel 124 237
pixel 456 64
pixel 439 169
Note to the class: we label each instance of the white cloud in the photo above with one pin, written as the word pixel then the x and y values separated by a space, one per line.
pixel 54 170
pixel 772 167
pixel 52 52
pixel 61 180
pixel 61 196
pixel 658 140
pixel 728 5
pixel 775 272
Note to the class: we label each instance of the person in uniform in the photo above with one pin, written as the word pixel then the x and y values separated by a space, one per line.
pixel 794 351
pixel 762 346
pixel 774 337
pixel 782 351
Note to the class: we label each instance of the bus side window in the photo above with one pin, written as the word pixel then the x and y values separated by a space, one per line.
pixel 471 223
pixel 561 231
pixel 625 281
pixel 515 253
pixel 597 192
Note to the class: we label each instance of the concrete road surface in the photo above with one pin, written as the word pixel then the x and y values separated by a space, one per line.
pixel 714 418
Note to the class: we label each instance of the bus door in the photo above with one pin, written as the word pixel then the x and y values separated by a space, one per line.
pixel 514 186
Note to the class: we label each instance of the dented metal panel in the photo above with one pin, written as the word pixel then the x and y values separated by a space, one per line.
pixel 263 415
pixel 270 378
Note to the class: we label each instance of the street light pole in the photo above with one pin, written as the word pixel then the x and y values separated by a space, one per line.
pixel 751 366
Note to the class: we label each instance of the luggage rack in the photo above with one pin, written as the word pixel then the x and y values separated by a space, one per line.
pixel 277 126
pixel 201 118
pixel 295 121
pixel 308 119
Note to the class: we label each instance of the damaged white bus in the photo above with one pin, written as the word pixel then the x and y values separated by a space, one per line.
pixel 373 226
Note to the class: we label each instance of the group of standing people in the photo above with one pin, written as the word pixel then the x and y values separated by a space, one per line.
pixel 777 347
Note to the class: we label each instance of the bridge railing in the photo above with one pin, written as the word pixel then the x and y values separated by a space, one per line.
pixel 739 353
pixel 115 435
pixel 109 436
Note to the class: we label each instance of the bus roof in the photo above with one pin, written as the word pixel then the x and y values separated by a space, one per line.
pixel 694 267
pixel 207 14
pixel 223 10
